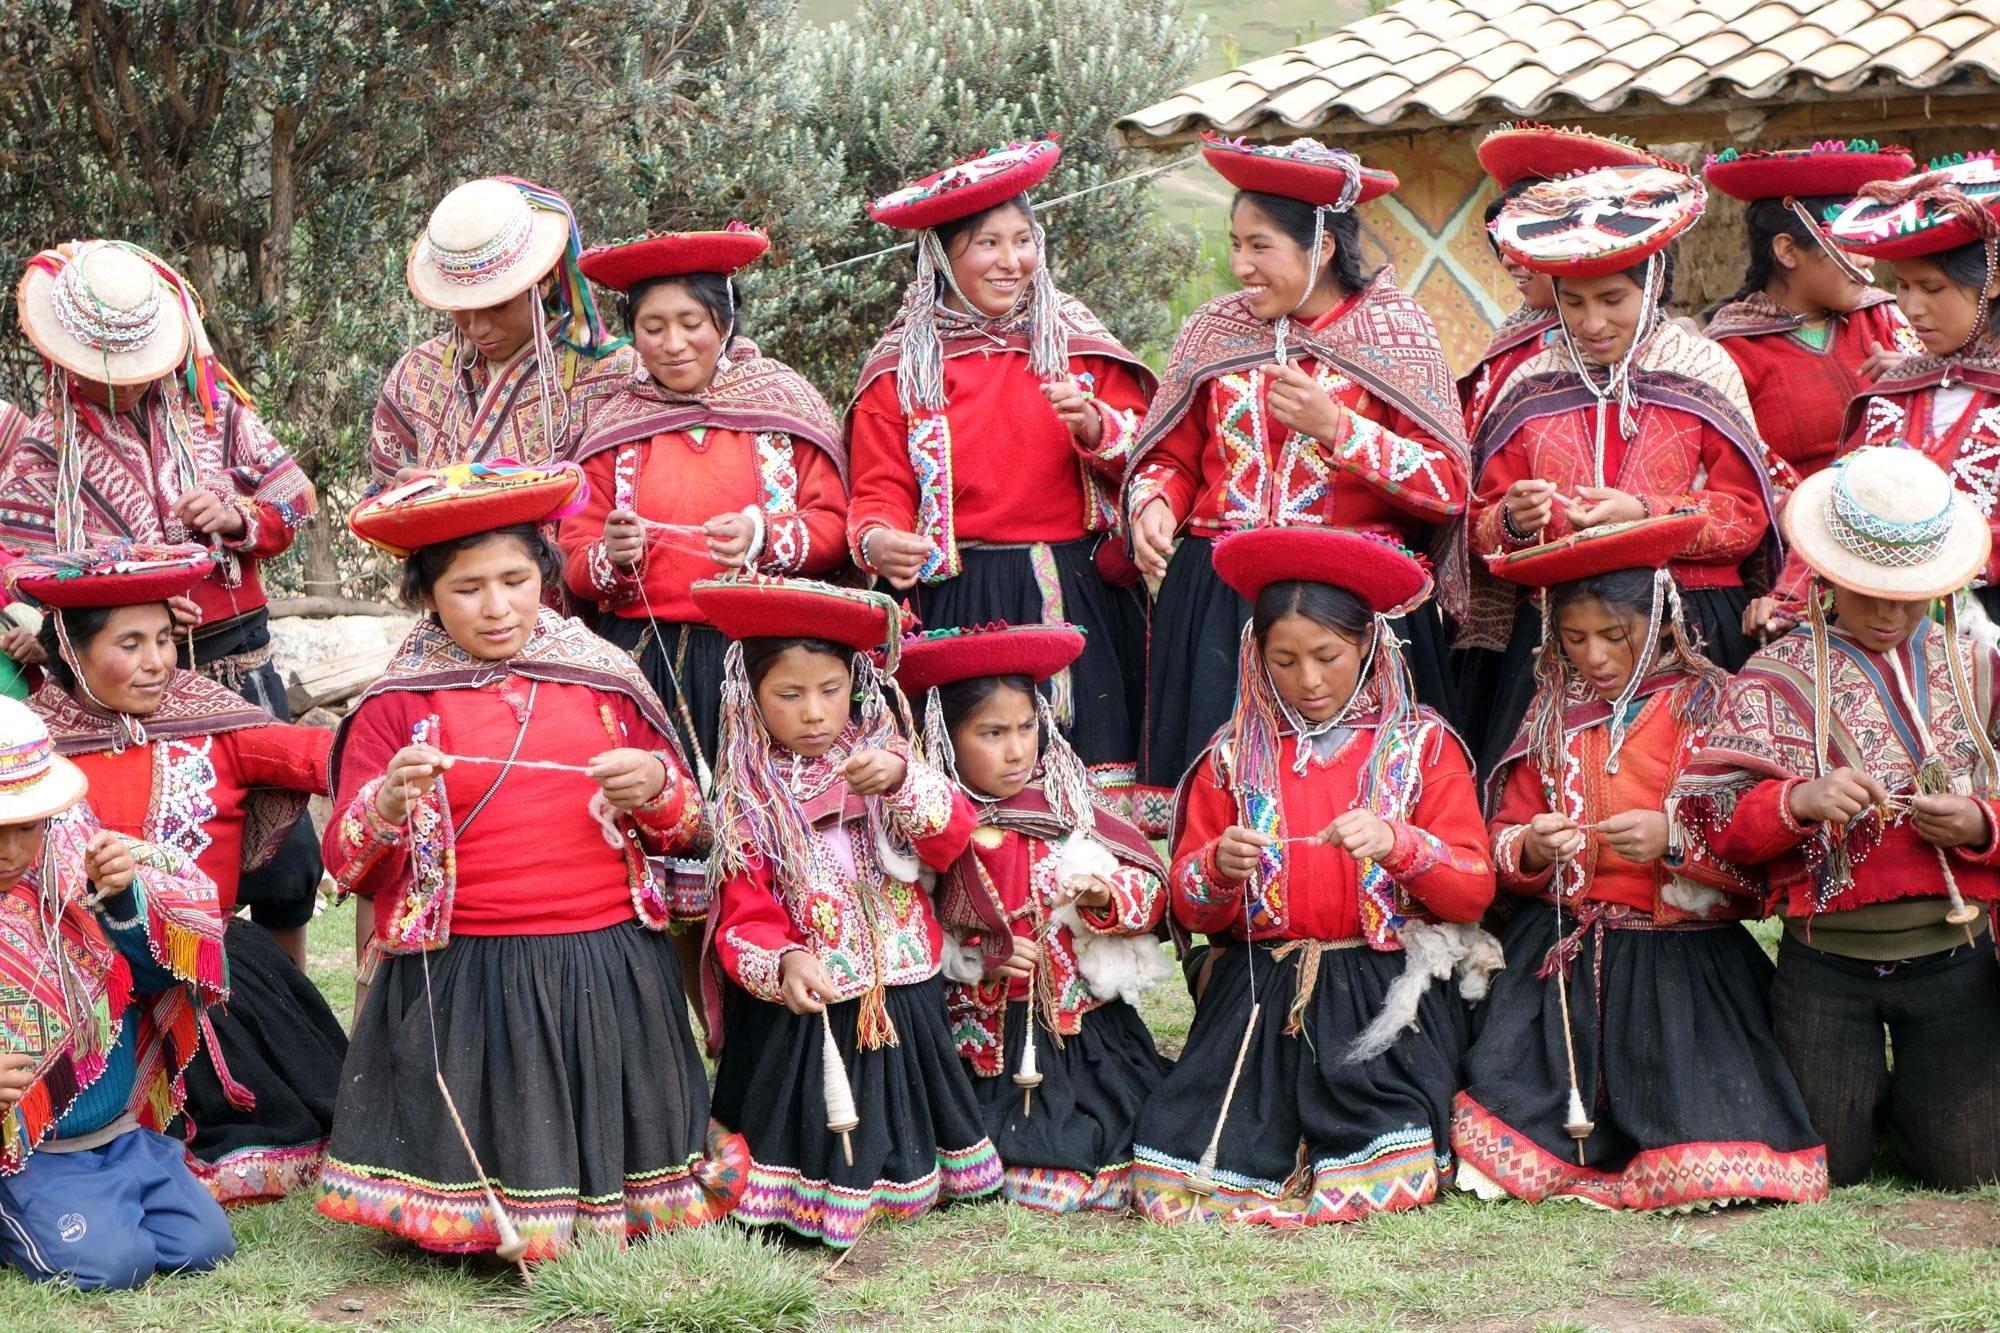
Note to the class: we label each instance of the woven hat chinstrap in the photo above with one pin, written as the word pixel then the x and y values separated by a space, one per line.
pixel 486 242
pixel 35 781
pixel 106 311
pixel 1887 522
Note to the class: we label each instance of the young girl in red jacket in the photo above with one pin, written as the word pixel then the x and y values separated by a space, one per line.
pixel 1329 844
pixel 836 1062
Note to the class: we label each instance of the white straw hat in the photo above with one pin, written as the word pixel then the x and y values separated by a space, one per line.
pixel 1887 522
pixel 105 313
pixel 485 244
pixel 35 781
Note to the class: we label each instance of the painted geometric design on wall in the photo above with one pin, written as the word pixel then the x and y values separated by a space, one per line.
pixel 1433 229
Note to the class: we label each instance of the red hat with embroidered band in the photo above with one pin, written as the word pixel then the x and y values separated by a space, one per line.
pixel 1524 150
pixel 116 574
pixel 1832 167
pixel 968 187
pixel 1644 543
pixel 464 499
pixel 763 607
pixel 1391 579
pixel 1922 214
pixel 1599 222
pixel 1304 169
pixel 945 656
pixel 621 265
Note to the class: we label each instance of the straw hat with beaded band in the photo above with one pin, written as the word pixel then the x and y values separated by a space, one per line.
pixel 1599 222
pixel 1388 578
pixel 968 187
pixel 1524 150
pixel 762 607
pixel 35 782
pixel 464 499
pixel 1832 167
pixel 1304 169
pixel 1646 543
pixel 485 243
pixel 621 265
pixel 946 656
pixel 1926 213
pixel 1888 522
pixel 104 310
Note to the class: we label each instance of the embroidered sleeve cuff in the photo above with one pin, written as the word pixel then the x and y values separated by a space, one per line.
pixel 1987 850
pixel 672 820
pixel 787 544
pixel 1507 861
pixel 248 539
pixel 363 837
pixel 1121 432
pixel 1134 907
pixel 757 969
pixel 921 806
pixel 1202 884
pixel 1148 486
pixel 1399 466
pixel 860 550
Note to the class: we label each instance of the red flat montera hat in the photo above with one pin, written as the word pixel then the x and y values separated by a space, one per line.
pixel 1913 221
pixel 1598 222
pixel 117 574
pixel 1388 578
pixel 944 656
pixel 466 498
pixel 1304 169
pixel 1524 150
pixel 1831 167
pixel 763 607
pixel 968 187
pixel 621 265
pixel 1646 543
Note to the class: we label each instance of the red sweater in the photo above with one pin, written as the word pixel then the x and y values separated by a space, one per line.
pixel 1228 463
pixel 190 793
pixel 535 862
pixel 1440 857
pixel 1016 473
pixel 1677 461
pixel 1800 393
pixel 686 481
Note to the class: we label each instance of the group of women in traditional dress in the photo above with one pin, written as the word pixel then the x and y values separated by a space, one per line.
pixel 1478 718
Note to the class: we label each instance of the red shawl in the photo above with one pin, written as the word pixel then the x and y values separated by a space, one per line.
pixel 750 392
pixel 1385 343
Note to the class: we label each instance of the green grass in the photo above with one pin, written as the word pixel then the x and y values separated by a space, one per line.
pixel 1874 1256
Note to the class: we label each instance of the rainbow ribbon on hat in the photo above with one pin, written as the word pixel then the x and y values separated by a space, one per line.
pixel 23 765
pixel 583 327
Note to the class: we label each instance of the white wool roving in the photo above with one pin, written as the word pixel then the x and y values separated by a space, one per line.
pixel 1691 897
pixel 1115 967
pixel 1430 953
pixel 964 963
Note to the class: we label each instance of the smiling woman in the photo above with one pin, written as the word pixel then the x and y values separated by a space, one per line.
pixel 710 457
pixel 990 427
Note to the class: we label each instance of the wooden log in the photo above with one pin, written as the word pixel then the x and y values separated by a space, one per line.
pixel 322 607
pixel 335 682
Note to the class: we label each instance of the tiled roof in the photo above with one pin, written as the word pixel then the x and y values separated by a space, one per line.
pixel 1448 61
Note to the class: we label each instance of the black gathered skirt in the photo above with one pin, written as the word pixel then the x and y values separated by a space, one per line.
pixel 1310 1138
pixel 688 673
pixel 920 1140
pixel 1678 1067
pixel 1107 683
pixel 261 1135
pixel 1714 614
pixel 1191 670
pixel 1070 1149
pixel 572 1064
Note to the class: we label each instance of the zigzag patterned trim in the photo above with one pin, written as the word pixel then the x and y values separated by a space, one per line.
pixel 454 1219
pixel 258 1175
pixel 836 1216
pixel 1396 1172
pixel 1681 1176
pixel 1050 1189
